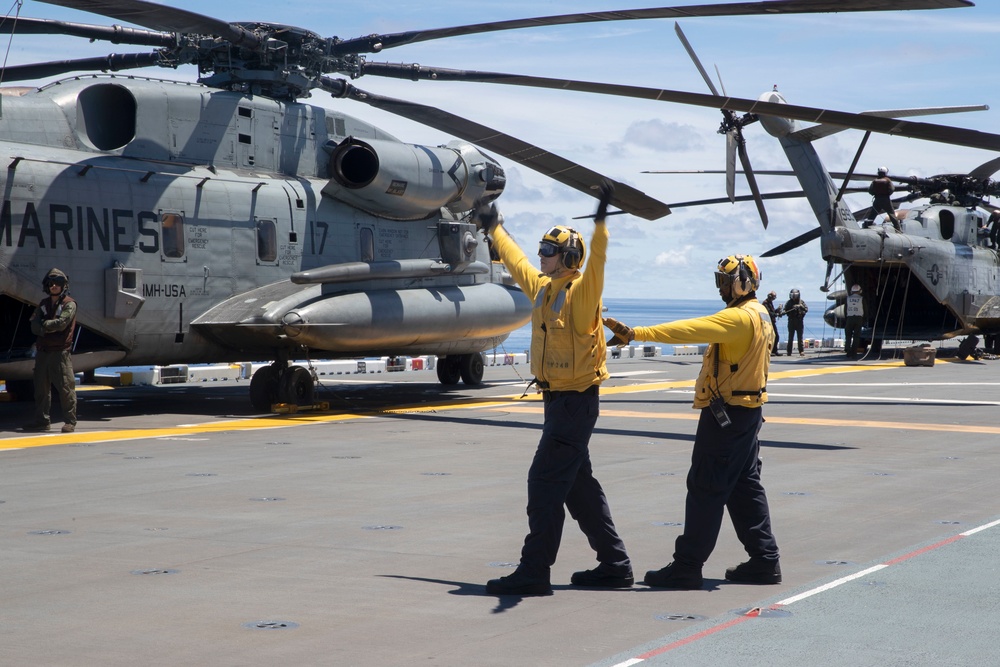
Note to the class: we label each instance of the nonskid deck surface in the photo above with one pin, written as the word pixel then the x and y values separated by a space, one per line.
pixel 177 527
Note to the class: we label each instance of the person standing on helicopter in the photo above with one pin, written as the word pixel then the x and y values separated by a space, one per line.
pixel 795 310
pixel 881 190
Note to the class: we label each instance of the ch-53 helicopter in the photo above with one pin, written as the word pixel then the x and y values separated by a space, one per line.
pixel 932 276
pixel 227 220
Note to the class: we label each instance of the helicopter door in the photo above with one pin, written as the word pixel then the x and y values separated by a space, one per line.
pixel 257 135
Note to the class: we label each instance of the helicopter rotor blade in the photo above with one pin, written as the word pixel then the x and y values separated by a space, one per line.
pixel 731 165
pixel 741 149
pixel 915 130
pixel 986 169
pixel 694 58
pixel 161 17
pixel 792 244
pixel 111 63
pixel 113 34
pixel 376 43
pixel 555 167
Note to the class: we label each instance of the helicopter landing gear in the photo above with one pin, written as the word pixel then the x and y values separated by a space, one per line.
pixel 273 384
pixel 465 367
pixel 471 368
pixel 449 370
pixel 264 388
pixel 296 386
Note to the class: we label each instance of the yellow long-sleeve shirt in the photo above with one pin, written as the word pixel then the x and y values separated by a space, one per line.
pixel 567 338
pixel 744 338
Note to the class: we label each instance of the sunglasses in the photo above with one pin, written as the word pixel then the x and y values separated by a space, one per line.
pixel 548 249
pixel 56 280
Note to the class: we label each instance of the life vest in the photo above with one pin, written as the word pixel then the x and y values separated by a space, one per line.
pixel 743 383
pixel 563 359
pixel 54 341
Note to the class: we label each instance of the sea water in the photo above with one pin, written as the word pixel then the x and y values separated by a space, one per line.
pixel 647 312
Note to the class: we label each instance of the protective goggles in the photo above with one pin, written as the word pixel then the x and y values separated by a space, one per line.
pixel 55 280
pixel 722 279
pixel 548 249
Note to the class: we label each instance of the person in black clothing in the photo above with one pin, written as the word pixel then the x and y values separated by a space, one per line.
pixel 994 224
pixel 795 310
pixel 881 190
pixel 774 312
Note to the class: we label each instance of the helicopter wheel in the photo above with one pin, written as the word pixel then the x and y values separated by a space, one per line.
pixel 296 386
pixel 264 388
pixel 449 370
pixel 470 367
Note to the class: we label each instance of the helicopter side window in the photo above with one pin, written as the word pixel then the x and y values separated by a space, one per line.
pixel 367 245
pixel 267 241
pixel 172 232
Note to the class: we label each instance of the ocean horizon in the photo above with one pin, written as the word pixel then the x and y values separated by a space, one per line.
pixel 647 312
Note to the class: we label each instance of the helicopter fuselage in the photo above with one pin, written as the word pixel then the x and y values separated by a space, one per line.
pixel 932 279
pixel 201 225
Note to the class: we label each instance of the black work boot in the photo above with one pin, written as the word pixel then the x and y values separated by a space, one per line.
pixel 36 427
pixel 675 575
pixel 519 583
pixel 755 571
pixel 604 576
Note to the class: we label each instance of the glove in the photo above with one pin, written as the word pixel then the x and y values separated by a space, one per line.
pixel 488 216
pixel 623 334
pixel 607 192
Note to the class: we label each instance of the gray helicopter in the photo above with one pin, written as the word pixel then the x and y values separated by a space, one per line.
pixel 226 220
pixel 932 274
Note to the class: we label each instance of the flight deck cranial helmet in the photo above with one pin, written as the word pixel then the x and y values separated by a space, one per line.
pixel 855 289
pixel 772 295
pixel 55 277
pixel 739 271
pixel 564 241
pixel 882 171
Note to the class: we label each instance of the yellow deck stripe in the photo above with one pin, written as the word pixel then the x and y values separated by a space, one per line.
pixel 506 402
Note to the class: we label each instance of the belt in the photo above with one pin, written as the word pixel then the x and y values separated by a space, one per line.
pixel 592 390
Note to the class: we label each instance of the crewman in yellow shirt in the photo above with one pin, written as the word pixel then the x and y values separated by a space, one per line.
pixel 568 355
pixel 725 461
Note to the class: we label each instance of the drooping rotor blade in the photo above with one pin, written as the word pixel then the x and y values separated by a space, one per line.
pixel 376 43
pixel 110 63
pixel 986 169
pixel 791 194
pixel 741 149
pixel 731 165
pixel 161 17
pixel 114 34
pixel 694 58
pixel 799 240
pixel 555 167
pixel 927 131
pixel 819 131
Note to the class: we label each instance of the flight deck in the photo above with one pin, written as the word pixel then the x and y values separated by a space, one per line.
pixel 177 526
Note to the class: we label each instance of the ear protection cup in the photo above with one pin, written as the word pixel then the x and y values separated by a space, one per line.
pixel 573 252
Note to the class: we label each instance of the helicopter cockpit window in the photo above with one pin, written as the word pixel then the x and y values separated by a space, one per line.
pixel 172 233
pixel 267 241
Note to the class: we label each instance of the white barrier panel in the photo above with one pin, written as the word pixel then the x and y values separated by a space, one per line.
pixel 505 359
pixel 213 373
pixel 683 350
pixel 339 367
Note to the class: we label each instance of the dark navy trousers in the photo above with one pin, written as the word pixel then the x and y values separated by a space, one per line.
pixel 561 474
pixel 725 475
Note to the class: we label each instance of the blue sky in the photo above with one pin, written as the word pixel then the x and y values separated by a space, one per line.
pixel 846 62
